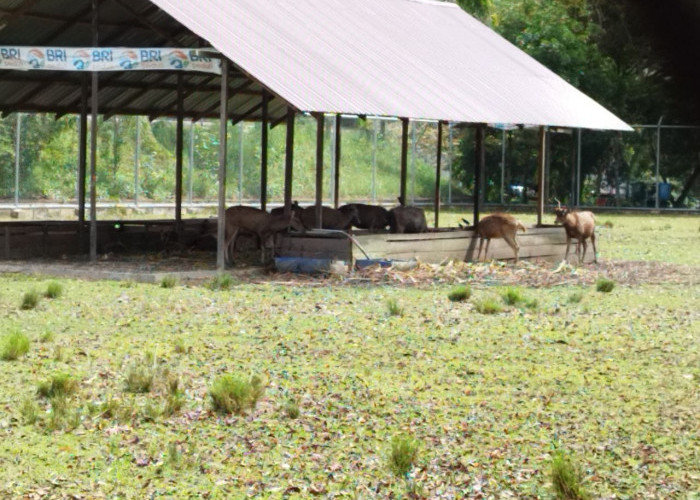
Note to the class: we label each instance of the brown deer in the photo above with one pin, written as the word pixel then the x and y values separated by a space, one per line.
pixel 498 226
pixel 258 222
pixel 578 225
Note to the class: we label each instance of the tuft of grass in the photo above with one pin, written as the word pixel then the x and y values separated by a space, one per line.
pixel 169 282
pixel 394 308
pixel 181 346
pixel 403 454
pixel 488 305
pixel 46 337
pixel 575 297
pixel 566 479
pixel 221 282
pixel 460 294
pixel 61 385
pixel 141 375
pixel 234 394
pixel 291 409
pixel 29 411
pixel 14 345
pixel 30 300
pixel 608 224
pixel 512 296
pixel 604 285
pixel 54 290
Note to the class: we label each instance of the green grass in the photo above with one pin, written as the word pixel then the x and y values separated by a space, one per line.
pixel 53 290
pixel 394 308
pixel 60 385
pixel 567 479
pixel 610 377
pixel 13 346
pixel 30 300
pixel 403 454
pixel 513 296
pixel 236 394
pixel 169 281
pixel 488 305
pixel 460 293
pixel 604 285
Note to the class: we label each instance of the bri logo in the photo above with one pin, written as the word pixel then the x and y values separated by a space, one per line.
pixel 10 54
pixel 129 60
pixel 81 60
pixel 36 58
pixel 178 59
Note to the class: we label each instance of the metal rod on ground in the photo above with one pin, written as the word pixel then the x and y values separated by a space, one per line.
pixel 289 162
pixel 137 159
pixel 93 141
pixel 190 164
pixel 374 161
pixel 479 162
pixel 179 149
pixel 438 169
pixel 503 164
pixel 404 159
pixel 658 159
pixel 320 123
pixel 221 212
pixel 338 150
pixel 449 163
pixel 18 140
pixel 541 160
pixel 264 134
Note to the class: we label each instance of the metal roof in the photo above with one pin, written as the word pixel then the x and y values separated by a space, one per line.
pixel 406 58
pixel 402 58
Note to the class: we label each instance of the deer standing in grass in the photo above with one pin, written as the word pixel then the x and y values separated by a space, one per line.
pixel 578 225
pixel 499 226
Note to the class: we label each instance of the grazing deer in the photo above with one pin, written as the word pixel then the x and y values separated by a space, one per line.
pixel 578 225
pixel 258 222
pixel 499 226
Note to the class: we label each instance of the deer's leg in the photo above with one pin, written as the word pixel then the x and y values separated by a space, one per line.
pixel 230 245
pixel 486 252
pixel 568 245
pixel 481 243
pixel 595 253
pixel 512 244
pixel 582 258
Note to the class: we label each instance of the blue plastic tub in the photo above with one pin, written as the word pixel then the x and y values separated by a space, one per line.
pixel 362 263
pixel 302 265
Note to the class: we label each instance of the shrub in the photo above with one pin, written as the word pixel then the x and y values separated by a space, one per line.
pixel 169 282
pixel 394 308
pixel 566 479
pixel 512 296
pixel 404 450
pixel 61 385
pixel 604 285
pixel 488 305
pixel 460 294
pixel 232 394
pixel 221 282
pixel 14 346
pixel 54 290
pixel 30 300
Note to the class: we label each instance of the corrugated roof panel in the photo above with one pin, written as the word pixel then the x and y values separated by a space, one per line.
pixel 407 58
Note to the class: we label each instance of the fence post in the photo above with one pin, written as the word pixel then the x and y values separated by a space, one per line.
pixel 137 159
pixel 449 164
pixel 658 159
pixel 17 157
pixel 374 161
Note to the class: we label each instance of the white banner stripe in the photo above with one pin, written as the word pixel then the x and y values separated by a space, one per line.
pixel 108 59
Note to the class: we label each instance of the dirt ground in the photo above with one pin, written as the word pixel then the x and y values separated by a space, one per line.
pixel 199 267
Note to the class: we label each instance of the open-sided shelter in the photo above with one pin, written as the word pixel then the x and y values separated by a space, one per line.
pixel 409 59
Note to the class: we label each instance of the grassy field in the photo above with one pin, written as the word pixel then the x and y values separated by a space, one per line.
pixel 112 398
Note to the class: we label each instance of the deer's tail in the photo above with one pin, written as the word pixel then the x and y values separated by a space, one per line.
pixel 521 227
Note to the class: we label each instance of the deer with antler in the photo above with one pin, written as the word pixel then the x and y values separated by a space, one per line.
pixel 578 225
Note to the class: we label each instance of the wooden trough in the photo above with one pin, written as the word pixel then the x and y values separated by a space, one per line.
pixel 544 242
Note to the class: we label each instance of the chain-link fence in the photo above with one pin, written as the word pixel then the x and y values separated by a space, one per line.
pixel 655 166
